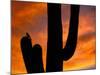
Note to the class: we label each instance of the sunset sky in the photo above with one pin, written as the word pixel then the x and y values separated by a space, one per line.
pixel 31 17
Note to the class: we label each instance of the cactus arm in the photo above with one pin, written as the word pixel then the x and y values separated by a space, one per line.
pixel 26 47
pixel 32 55
pixel 37 63
pixel 70 46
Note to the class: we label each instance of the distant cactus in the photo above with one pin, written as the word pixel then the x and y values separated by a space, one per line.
pixel 56 54
pixel 32 55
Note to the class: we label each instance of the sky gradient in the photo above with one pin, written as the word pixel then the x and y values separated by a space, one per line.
pixel 31 17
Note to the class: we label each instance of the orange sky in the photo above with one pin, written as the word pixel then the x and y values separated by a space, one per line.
pixel 31 17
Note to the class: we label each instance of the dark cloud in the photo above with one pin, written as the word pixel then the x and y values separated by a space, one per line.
pixel 87 36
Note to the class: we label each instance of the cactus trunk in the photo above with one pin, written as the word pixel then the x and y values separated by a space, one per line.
pixel 54 44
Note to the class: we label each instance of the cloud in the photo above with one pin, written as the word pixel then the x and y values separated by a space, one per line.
pixel 32 17
pixel 25 17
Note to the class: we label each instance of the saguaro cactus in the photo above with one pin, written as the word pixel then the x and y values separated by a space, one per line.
pixel 32 55
pixel 55 53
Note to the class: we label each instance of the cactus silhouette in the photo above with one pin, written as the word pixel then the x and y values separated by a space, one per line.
pixel 32 55
pixel 56 54
pixel 54 44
